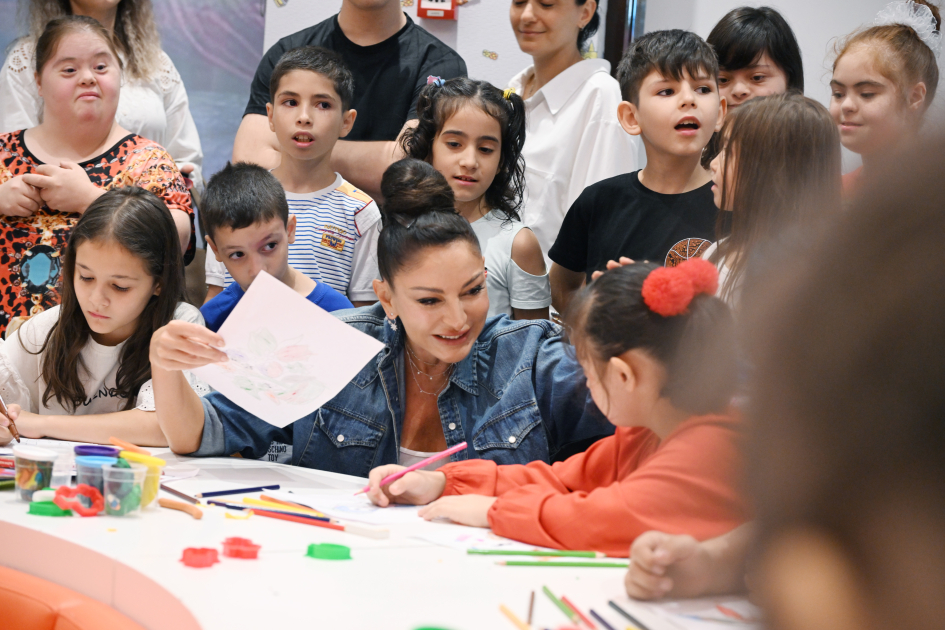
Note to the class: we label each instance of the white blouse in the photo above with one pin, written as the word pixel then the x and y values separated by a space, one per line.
pixel 573 139
pixel 155 108
pixel 509 285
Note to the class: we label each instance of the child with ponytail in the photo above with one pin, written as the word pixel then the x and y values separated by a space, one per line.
pixel 884 79
pixel 657 347
pixel 473 134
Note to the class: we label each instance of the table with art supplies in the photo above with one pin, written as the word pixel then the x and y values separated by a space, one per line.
pixel 267 543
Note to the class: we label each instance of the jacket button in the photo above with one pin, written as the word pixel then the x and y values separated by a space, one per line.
pixel 512 439
pixel 341 438
pixel 452 426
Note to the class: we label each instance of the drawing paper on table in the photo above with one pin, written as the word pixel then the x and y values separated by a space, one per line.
pixel 287 357
pixel 342 505
pixel 463 538
pixel 709 612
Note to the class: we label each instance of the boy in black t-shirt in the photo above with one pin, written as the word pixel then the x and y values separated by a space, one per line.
pixel 390 57
pixel 665 212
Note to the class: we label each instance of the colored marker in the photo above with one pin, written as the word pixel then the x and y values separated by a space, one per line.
pixel 179 494
pixel 571 605
pixel 11 426
pixel 223 493
pixel 521 625
pixel 557 602
pixel 630 617
pixel 429 460
pixel 546 554
pixel 283 506
pixel 601 620
pixel 128 446
pixel 528 563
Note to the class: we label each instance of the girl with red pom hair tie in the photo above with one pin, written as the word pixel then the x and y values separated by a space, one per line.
pixel 657 348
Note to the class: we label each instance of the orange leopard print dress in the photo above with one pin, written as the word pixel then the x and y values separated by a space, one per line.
pixel 30 247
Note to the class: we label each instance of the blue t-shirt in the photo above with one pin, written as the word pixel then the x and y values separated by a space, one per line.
pixel 219 308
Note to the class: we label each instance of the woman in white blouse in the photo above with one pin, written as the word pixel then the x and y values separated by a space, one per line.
pixel 573 137
pixel 153 101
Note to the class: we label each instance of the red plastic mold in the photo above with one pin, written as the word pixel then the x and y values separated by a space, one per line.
pixel 68 499
pixel 240 548
pixel 199 557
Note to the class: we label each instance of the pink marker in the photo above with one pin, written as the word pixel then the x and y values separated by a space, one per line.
pixel 429 460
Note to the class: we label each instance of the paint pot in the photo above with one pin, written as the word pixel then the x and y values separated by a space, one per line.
pixel 123 488
pixel 89 471
pixel 34 466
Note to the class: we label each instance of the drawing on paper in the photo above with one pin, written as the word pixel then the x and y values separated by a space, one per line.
pixel 278 372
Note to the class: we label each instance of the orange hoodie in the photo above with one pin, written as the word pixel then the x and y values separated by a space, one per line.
pixel 620 487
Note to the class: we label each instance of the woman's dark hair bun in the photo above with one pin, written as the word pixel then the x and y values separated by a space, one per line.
pixel 419 211
pixel 412 188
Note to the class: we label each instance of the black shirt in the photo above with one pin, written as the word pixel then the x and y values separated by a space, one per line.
pixel 387 76
pixel 621 217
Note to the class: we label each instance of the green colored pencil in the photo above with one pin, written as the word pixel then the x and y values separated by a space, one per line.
pixel 547 554
pixel 529 563
pixel 557 602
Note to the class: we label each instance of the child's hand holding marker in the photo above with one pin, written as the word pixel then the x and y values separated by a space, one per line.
pixel 415 488
pixel 26 424
pixel 184 346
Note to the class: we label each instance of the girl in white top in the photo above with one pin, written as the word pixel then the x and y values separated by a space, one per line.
pixel 574 139
pixel 472 133
pixel 777 172
pixel 122 280
pixel 153 101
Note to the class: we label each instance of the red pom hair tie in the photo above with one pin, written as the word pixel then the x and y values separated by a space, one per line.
pixel 667 291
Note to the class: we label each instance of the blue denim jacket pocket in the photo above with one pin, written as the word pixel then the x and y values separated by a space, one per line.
pixel 513 435
pixel 354 438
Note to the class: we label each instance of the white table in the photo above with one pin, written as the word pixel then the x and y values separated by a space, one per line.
pixel 401 583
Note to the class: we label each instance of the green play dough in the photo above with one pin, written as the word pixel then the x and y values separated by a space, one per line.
pixel 327 551
pixel 48 508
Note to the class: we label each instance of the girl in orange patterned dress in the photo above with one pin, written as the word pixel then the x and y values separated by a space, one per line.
pixel 49 174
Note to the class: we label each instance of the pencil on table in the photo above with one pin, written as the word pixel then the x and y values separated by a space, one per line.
pixel 571 605
pixel 521 625
pixel 179 494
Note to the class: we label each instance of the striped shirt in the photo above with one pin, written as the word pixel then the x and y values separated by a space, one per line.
pixel 335 240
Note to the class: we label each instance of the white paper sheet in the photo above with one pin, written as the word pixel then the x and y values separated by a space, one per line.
pixel 464 538
pixel 287 356
pixel 344 506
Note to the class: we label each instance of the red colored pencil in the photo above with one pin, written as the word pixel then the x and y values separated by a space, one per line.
pixel 297 519
pixel 571 605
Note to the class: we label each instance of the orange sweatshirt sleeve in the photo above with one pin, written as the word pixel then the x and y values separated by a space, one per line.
pixel 621 487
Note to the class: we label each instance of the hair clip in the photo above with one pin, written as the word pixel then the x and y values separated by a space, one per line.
pixel 404 222
pixel 668 291
pixel 507 94
pixel 437 81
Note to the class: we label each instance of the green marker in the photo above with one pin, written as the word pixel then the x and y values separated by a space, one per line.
pixel 528 563
pixel 547 554
pixel 557 602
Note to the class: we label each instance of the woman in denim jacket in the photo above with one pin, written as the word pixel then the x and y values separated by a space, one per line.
pixel 512 389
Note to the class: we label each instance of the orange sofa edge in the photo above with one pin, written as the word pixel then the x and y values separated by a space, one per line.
pixel 31 603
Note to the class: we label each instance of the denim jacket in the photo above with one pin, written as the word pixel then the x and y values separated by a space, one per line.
pixel 519 396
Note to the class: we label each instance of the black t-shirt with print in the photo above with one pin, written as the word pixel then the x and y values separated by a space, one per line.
pixel 621 217
pixel 387 76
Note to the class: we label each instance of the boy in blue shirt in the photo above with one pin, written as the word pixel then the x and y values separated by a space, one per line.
pixel 247 224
